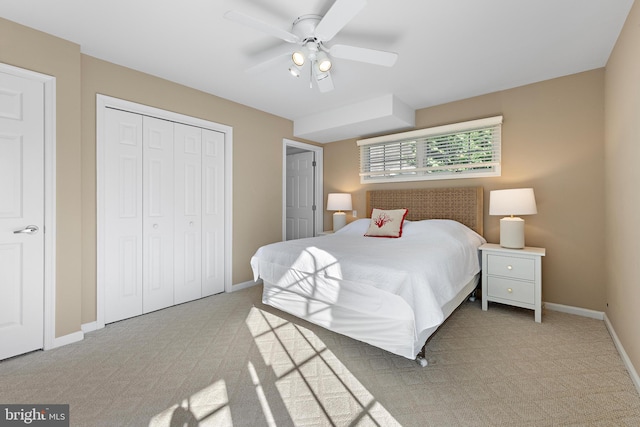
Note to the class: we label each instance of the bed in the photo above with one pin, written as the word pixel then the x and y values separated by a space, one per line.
pixel 392 293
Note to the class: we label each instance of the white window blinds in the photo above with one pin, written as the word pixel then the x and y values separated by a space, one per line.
pixel 461 150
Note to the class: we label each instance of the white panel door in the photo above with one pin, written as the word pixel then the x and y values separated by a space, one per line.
pixel 300 197
pixel 21 215
pixel 188 213
pixel 212 212
pixel 123 215
pixel 157 207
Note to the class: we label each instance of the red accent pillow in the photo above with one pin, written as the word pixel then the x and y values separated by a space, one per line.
pixel 386 223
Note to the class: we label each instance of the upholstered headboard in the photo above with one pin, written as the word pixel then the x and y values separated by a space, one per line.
pixel 462 204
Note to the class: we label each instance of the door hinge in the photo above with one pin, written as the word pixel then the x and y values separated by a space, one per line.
pixel 313 208
pixel 313 164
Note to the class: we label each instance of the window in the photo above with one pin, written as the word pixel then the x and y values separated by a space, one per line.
pixel 461 150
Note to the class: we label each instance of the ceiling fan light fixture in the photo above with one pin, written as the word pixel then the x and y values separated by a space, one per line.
pixel 323 62
pixel 298 58
pixel 294 70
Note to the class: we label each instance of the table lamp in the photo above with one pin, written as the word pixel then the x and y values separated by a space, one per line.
pixel 517 201
pixel 339 202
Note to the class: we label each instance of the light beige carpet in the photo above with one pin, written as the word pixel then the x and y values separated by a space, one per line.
pixel 228 360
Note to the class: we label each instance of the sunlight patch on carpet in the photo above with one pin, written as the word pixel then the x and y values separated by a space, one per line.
pixel 313 384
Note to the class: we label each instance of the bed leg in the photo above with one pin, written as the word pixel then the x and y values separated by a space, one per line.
pixel 421 360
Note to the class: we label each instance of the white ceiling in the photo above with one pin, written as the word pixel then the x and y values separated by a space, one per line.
pixel 448 49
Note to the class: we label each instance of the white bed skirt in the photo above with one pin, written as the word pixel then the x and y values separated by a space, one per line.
pixel 385 320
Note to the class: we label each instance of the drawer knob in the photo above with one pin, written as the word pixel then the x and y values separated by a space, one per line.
pixel 509 267
pixel 509 290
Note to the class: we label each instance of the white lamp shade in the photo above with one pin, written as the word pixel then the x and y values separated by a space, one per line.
pixel 517 201
pixel 339 202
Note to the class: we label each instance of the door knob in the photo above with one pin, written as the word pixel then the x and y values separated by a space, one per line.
pixel 29 229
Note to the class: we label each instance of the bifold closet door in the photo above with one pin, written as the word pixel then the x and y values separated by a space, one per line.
pixel 158 214
pixel 212 212
pixel 139 218
pixel 188 213
pixel 164 214
pixel 199 213
pixel 123 216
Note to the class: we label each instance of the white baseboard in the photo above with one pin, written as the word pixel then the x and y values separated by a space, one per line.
pixel 67 339
pixel 245 285
pixel 625 358
pixel 89 327
pixel 584 312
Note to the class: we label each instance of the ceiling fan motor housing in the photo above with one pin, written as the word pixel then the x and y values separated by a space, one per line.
pixel 305 26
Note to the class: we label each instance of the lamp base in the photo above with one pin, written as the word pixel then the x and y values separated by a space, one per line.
pixel 339 220
pixel 512 233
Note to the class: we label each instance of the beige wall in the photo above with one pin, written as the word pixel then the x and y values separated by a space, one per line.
pixel 622 151
pixel 552 140
pixel 37 51
pixel 257 153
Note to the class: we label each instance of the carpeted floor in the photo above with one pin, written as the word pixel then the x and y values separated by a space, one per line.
pixel 228 360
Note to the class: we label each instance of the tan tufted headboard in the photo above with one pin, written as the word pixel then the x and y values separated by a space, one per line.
pixel 462 204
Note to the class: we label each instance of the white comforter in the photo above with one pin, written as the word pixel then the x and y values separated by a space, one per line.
pixel 426 267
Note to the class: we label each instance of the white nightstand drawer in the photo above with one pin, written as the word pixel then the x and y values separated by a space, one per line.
pixel 513 267
pixel 511 290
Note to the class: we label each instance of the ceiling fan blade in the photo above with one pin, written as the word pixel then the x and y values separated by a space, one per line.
pixel 256 24
pixel 337 17
pixel 362 54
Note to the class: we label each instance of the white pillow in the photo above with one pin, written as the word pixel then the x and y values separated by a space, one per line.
pixel 386 223
pixel 356 228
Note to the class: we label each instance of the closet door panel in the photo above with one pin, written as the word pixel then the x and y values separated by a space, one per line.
pixel 158 214
pixel 212 212
pixel 123 216
pixel 188 213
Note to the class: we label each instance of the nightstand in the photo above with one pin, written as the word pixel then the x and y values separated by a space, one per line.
pixel 512 276
pixel 325 232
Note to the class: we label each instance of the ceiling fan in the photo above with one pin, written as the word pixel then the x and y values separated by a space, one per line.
pixel 311 33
